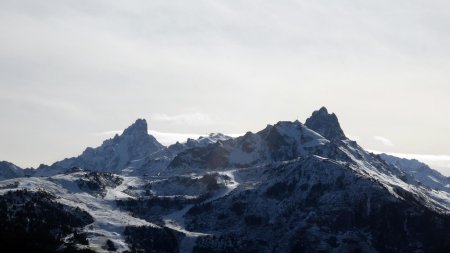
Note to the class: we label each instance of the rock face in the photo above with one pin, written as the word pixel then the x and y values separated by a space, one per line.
pixel 325 124
pixel 290 187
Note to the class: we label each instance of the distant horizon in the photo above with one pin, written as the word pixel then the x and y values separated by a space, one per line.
pixel 71 69
pixel 440 163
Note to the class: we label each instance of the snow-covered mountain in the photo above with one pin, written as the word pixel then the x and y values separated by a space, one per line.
pixel 283 141
pixel 114 155
pixel 290 187
pixel 419 172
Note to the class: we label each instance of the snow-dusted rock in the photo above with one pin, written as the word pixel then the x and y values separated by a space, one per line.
pixel 114 155
pixel 420 173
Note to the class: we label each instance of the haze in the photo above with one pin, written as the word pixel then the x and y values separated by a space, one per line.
pixel 73 71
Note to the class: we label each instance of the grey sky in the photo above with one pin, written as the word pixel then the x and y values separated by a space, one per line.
pixel 72 69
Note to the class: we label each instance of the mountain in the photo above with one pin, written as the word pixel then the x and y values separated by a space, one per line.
pixel 114 155
pixel 290 187
pixel 283 141
pixel 9 170
pixel 326 124
pixel 419 173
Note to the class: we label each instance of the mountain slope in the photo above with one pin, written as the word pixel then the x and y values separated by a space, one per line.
pixel 9 170
pixel 314 204
pixel 419 173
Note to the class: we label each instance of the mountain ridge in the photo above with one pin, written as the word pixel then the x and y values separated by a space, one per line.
pixel 290 187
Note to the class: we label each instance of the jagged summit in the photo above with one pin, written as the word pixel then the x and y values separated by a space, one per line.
pixel 325 124
pixel 138 127
pixel 114 154
pixel 136 136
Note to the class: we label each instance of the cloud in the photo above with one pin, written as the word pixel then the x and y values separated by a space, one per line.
pixel 45 102
pixel 171 138
pixel 190 119
pixel 353 137
pixel 108 133
pixel 424 157
pixel 384 140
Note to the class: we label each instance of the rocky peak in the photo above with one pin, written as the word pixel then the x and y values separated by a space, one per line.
pixel 139 127
pixel 325 124
pixel 136 137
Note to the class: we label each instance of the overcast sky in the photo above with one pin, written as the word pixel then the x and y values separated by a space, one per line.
pixel 73 70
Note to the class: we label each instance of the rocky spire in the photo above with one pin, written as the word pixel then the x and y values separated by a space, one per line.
pixel 139 127
pixel 325 124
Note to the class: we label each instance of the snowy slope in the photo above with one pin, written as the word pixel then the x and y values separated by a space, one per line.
pixel 109 222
